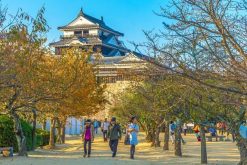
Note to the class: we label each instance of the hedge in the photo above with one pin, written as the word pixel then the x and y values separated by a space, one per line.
pixel 7 135
pixel 8 138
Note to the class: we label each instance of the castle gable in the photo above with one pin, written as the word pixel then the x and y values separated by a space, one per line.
pixel 131 58
pixel 80 21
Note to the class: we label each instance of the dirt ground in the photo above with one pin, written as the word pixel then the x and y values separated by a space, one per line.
pixel 71 154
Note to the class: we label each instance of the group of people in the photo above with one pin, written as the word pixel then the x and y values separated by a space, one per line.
pixel 211 129
pixel 111 131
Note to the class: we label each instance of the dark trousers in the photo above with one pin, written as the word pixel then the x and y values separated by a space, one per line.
pixel 96 130
pixel 87 150
pixel 105 135
pixel 113 145
pixel 185 132
pixel 132 150
pixel 221 131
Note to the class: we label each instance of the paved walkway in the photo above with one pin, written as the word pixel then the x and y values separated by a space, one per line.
pixel 71 154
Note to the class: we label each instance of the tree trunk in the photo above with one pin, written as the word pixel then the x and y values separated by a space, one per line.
pixel 149 136
pixel 21 139
pixel 233 136
pixel 153 138
pixel 59 133
pixel 44 125
pixel 34 129
pixel 204 159
pixel 157 137
pixel 63 123
pixel 166 137
pixel 63 134
pixel 242 145
pixel 148 132
pixel 178 139
pixel 52 133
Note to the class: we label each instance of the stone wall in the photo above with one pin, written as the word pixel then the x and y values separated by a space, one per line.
pixel 113 91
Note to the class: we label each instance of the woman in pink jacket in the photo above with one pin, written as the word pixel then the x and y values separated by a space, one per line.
pixel 88 137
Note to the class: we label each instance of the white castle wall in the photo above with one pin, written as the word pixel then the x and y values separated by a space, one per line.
pixel 93 32
pixel 68 33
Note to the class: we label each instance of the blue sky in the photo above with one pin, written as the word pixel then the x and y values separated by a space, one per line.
pixel 127 16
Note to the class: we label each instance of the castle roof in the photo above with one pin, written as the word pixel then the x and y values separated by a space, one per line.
pixel 96 23
pixel 86 41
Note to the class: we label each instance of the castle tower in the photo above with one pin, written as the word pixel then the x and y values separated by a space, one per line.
pixel 86 31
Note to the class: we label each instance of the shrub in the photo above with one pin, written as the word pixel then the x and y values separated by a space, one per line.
pixel 27 130
pixel 42 137
pixel 8 138
pixel 7 135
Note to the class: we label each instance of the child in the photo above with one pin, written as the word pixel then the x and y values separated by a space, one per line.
pixel 88 137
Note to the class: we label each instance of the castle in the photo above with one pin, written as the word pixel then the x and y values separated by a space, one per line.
pixel 118 63
pixel 86 31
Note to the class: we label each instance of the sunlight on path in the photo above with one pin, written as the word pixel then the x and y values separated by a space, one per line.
pixel 71 154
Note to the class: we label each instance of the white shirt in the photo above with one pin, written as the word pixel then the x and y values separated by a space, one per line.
pixel 105 126
pixel 185 126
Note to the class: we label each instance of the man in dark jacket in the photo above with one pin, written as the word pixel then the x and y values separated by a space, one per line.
pixel 114 134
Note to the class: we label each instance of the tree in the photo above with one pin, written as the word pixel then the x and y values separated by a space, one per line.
pixel 20 51
pixel 156 102
pixel 205 42
pixel 33 81
pixel 70 81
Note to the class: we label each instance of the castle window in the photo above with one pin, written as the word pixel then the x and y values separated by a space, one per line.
pixel 85 32
pixel 77 33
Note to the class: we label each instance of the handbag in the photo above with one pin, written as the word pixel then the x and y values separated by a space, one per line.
pixel 127 139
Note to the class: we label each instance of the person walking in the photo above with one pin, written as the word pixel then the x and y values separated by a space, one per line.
pixel 172 128
pixel 96 126
pixel 133 132
pixel 185 128
pixel 104 128
pixel 114 135
pixel 88 137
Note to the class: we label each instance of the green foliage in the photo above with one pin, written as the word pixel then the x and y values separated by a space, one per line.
pixel 8 138
pixel 42 137
pixel 7 135
pixel 27 130
pixel 172 98
pixel 154 102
